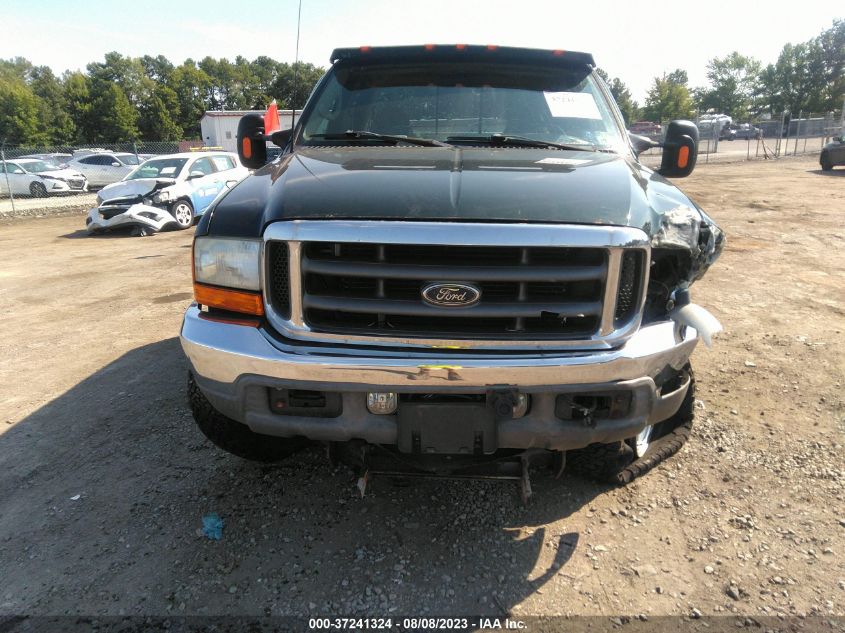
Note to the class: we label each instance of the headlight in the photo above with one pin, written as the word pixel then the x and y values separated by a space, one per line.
pixel 678 229
pixel 230 263
pixel 161 196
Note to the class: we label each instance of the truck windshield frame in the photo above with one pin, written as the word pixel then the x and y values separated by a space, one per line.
pixel 445 99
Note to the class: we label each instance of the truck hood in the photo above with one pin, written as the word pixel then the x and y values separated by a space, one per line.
pixel 447 184
pixel 134 188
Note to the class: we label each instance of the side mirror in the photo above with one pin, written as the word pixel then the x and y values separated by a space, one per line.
pixel 680 150
pixel 641 143
pixel 195 174
pixel 115 164
pixel 252 148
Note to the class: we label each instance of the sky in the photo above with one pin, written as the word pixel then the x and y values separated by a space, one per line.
pixel 634 41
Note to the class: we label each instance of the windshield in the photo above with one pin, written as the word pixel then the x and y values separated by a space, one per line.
pixel 38 166
pixel 158 168
pixel 127 159
pixel 446 100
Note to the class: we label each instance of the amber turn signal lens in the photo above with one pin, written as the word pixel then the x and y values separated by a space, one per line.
pixel 683 157
pixel 225 299
pixel 246 147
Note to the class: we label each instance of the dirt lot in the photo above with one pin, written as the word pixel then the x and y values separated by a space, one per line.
pixel 106 479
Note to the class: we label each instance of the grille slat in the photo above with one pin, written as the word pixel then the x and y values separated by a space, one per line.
pixel 417 308
pixel 516 272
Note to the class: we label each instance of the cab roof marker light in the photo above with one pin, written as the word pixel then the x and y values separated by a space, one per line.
pixel 429 47
pixel 492 47
pixel 364 49
pixel 461 47
pixel 558 52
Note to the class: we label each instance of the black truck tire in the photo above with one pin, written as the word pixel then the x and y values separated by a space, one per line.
pixel 615 463
pixel 236 438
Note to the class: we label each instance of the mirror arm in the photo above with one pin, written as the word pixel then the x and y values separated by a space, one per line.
pixel 281 138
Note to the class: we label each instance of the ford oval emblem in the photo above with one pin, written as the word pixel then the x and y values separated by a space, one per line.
pixel 449 295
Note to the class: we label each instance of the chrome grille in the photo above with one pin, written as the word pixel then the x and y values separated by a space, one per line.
pixel 540 285
pixel 376 289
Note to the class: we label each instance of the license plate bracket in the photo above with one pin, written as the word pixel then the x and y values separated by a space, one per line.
pixel 453 428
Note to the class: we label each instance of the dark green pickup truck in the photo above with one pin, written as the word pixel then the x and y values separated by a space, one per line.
pixel 457 265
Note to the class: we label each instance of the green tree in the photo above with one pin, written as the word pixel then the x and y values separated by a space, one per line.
pixel 678 76
pixel 18 113
pixel 265 71
pixel 112 117
pixel 809 76
pixel 826 67
pixel 127 72
pixel 668 98
pixel 294 84
pixel 77 99
pixel 53 112
pixel 192 87
pixel 156 111
pixel 157 68
pixel 733 85
pixel 621 95
pixel 17 68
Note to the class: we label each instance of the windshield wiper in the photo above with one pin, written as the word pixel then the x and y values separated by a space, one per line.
pixel 352 135
pixel 501 140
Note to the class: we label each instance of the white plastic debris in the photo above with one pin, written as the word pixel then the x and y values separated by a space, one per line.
pixel 699 319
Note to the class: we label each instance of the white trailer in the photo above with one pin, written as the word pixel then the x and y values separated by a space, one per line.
pixel 219 128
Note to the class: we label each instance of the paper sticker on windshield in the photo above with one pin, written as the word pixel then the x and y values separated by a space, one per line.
pixel 562 161
pixel 167 171
pixel 573 105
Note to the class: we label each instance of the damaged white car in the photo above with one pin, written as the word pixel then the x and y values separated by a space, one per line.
pixel 165 193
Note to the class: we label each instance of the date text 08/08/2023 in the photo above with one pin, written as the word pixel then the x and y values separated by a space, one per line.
pixel 416 624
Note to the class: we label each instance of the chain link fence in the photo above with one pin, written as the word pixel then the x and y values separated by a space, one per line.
pixel 38 171
pixel 722 139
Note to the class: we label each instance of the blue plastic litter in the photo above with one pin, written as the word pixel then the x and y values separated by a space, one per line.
pixel 212 526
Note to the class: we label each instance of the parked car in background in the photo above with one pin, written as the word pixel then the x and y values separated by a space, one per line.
pixel 727 133
pixel 833 153
pixel 58 159
pixel 168 192
pixel 746 131
pixel 646 128
pixel 104 168
pixel 38 178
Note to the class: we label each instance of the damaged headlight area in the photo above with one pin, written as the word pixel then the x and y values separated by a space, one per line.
pixel 687 243
pixel 162 197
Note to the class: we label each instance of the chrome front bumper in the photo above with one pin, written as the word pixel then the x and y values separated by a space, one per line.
pixel 234 366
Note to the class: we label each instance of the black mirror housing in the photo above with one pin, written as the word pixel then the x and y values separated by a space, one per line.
pixel 680 149
pixel 252 148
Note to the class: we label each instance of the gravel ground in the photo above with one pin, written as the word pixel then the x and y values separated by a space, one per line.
pixel 106 479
